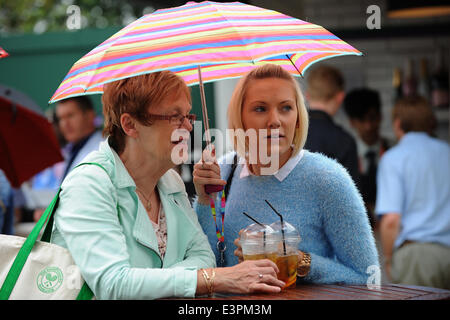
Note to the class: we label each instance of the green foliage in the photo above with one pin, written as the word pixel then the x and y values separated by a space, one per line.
pixel 38 16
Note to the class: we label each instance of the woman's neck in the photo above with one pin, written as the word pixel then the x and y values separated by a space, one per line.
pixel 271 168
pixel 145 170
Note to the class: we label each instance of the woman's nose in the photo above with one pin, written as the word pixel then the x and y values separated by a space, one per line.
pixel 273 120
pixel 186 124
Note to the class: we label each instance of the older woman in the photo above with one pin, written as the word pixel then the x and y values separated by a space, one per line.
pixel 313 193
pixel 125 216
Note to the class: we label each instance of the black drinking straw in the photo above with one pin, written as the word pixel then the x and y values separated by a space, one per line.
pixel 264 231
pixel 282 225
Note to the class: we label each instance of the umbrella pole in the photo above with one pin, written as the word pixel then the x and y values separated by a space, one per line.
pixel 209 188
pixel 204 109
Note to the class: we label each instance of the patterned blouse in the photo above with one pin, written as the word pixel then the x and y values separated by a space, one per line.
pixel 161 231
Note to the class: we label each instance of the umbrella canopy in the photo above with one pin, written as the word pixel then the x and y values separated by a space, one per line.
pixel 28 143
pixel 3 53
pixel 225 39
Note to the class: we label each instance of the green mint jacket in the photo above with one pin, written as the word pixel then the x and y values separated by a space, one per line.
pixel 101 221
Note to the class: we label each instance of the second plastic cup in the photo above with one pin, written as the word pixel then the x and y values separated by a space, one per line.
pixel 258 242
pixel 286 257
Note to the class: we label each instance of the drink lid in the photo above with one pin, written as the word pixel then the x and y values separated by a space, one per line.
pixel 285 230
pixel 258 233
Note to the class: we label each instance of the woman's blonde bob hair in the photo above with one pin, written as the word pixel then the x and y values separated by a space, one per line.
pixel 238 97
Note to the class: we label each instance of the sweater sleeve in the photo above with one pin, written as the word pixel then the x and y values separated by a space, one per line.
pixel 347 229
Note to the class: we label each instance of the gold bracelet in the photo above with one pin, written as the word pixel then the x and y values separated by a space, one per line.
pixel 209 280
pixel 211 293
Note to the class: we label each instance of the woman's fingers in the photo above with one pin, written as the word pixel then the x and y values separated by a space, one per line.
pixel 202 168
pixel 266 281
pixel 266 263
pixel 239 255
pixel 203 181
pixel 268 271
pixel 263 287
pixel 249 276
pixel 204 174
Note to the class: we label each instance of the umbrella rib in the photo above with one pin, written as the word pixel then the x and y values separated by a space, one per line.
pixel 236 31
pixel 301 75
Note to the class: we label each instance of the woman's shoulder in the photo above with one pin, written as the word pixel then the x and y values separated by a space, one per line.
pixel 324 174
pixel 95 167
pixel 315 162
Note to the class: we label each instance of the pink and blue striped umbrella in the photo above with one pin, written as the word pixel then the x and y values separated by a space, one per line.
pixel 225 39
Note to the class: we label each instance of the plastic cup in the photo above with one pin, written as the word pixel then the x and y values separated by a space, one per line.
pixel 257 241
pixel 286 257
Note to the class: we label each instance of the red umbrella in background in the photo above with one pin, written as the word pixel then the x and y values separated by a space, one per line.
pixel 3 53
pixel 28 143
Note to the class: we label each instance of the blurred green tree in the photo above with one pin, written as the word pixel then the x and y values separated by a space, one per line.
pixel 38 16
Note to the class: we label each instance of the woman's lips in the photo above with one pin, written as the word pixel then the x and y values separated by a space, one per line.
pixel 275 136
pixel 184 141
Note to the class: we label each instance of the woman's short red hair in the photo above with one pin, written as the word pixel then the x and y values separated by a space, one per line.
pixel 136 96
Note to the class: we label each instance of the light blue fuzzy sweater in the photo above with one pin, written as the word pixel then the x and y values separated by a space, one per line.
pixel 319 198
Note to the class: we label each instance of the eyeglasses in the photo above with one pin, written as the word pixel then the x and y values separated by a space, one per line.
pixel 176 120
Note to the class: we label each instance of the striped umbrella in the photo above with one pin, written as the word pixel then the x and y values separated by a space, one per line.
pixel 225 40
pixel 3 53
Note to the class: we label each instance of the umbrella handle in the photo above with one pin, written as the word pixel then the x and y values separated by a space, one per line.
pixel 212 188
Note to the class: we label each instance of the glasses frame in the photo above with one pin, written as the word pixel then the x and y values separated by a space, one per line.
pixel 191 118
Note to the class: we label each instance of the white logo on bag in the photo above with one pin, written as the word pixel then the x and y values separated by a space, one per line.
pixel 50 279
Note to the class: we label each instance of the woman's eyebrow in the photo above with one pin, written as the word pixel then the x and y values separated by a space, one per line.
pixel 258 101
pixel 287 101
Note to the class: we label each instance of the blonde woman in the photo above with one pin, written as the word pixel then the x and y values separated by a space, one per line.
pixel 313 192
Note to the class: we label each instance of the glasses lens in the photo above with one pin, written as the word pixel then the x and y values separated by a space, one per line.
pixel 176 120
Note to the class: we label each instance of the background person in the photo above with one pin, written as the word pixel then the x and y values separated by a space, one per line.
pixel 313 192
pixel 363 107
pixel 325 94
pixel 131 229
pixel 413 199
pixel 75 120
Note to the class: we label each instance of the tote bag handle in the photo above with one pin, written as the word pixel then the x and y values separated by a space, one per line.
pixel 17 266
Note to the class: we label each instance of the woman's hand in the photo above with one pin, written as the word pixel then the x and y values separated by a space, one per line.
pixel 206 171
pixel 238 252
pixel 248 277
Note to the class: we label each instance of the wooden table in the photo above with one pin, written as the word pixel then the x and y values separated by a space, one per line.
pixel 345 292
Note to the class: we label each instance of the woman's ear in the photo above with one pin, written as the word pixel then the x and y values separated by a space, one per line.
pixel 128 124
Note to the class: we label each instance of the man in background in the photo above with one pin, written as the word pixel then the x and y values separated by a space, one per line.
pixel 325 94
pixel 363 107
pixel 413 199
pixel 75 119
pixel 76 122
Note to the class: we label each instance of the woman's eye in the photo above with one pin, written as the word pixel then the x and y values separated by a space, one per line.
pixel 287 108
pixel 259 109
